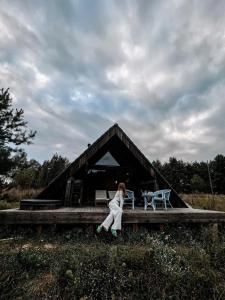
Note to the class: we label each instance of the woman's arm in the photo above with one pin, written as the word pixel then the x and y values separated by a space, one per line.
pixel 121 198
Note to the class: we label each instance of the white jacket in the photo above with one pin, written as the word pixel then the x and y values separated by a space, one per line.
pixel 118 199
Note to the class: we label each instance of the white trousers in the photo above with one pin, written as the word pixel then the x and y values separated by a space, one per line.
pixel 114 215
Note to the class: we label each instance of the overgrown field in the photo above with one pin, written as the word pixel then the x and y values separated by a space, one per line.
pixel 205 201
pixel 70 263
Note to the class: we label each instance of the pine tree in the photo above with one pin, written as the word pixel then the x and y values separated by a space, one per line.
pixel 13 132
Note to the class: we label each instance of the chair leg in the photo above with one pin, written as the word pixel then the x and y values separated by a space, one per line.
pixel 165 205
pixel 153 206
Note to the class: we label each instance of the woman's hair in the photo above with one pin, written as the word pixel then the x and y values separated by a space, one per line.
pixel 122 186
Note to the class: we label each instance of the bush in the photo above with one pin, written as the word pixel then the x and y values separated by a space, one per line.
pixel 4 205
pixel 31 260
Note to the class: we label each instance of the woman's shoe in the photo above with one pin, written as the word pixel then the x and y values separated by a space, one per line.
pixel 99 229
pixel 114 233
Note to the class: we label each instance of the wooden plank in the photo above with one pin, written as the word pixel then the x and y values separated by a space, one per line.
pixel 92 215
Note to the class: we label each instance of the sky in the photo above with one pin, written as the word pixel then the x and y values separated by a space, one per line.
pixel 157 68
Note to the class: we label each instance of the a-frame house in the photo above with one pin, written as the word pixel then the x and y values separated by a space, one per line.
pixel 112 158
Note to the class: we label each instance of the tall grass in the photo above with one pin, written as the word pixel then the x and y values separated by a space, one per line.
pixel 16 194
pixel 205 201
pixel 180 263
pixel 10 198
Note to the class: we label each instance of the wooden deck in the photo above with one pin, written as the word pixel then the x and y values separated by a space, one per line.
pixel 94 215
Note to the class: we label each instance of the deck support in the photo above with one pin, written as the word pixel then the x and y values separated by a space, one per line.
pixel 39 229
pixel 135 228
pixel 161 227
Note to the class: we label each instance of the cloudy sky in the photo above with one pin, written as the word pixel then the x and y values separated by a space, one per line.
pixel 157 68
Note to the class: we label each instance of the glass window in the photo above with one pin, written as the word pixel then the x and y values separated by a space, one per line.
pixel 107 160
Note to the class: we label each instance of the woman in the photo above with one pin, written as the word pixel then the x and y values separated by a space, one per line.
pixel 115 206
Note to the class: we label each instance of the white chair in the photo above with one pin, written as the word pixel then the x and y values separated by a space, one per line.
pixel 101 197
pixel 162 196
pixel 129 199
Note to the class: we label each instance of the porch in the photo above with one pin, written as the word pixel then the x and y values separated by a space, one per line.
pixel 94 215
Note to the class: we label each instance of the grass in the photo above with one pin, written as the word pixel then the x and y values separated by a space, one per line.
pixel 7 205
pixel 179 263
pixel 11 198
pixel 205 201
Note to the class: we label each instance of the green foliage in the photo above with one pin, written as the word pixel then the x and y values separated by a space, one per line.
pixel 4 205
pixel 12 133
pixel 197 183
pixel 31 260
pixel 25 178
pixel 179 263
pixel 188 177
pixel 12 123
pixel 28 174
pixel 217 167
pixel 51 168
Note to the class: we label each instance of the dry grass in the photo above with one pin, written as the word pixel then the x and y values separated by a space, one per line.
pixel 39 286
pixel 16 194
pixel 205 201
pixel 11 198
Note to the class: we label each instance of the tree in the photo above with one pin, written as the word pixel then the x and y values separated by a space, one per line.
pixel 51 168
pixel 26 175
pixel 175 172
pixel 201 169
pixel 197 183
pixel 13 132
pixel 217 169
pixel 25 178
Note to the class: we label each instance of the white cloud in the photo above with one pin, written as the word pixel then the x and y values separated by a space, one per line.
pixel 156 68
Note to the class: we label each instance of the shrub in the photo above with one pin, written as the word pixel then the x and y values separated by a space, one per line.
pixel 4 205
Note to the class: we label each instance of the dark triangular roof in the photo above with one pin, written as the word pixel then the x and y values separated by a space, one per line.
pixel 83 159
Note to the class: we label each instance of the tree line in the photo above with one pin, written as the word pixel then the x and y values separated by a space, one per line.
pixel 185 177
pixel 191 177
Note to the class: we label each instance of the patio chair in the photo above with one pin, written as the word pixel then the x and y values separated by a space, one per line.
pixel 148 196
pixel 101 197
pixel 162 196
pixel 129 199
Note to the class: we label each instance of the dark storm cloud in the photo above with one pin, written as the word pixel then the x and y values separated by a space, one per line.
pixel 155 67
